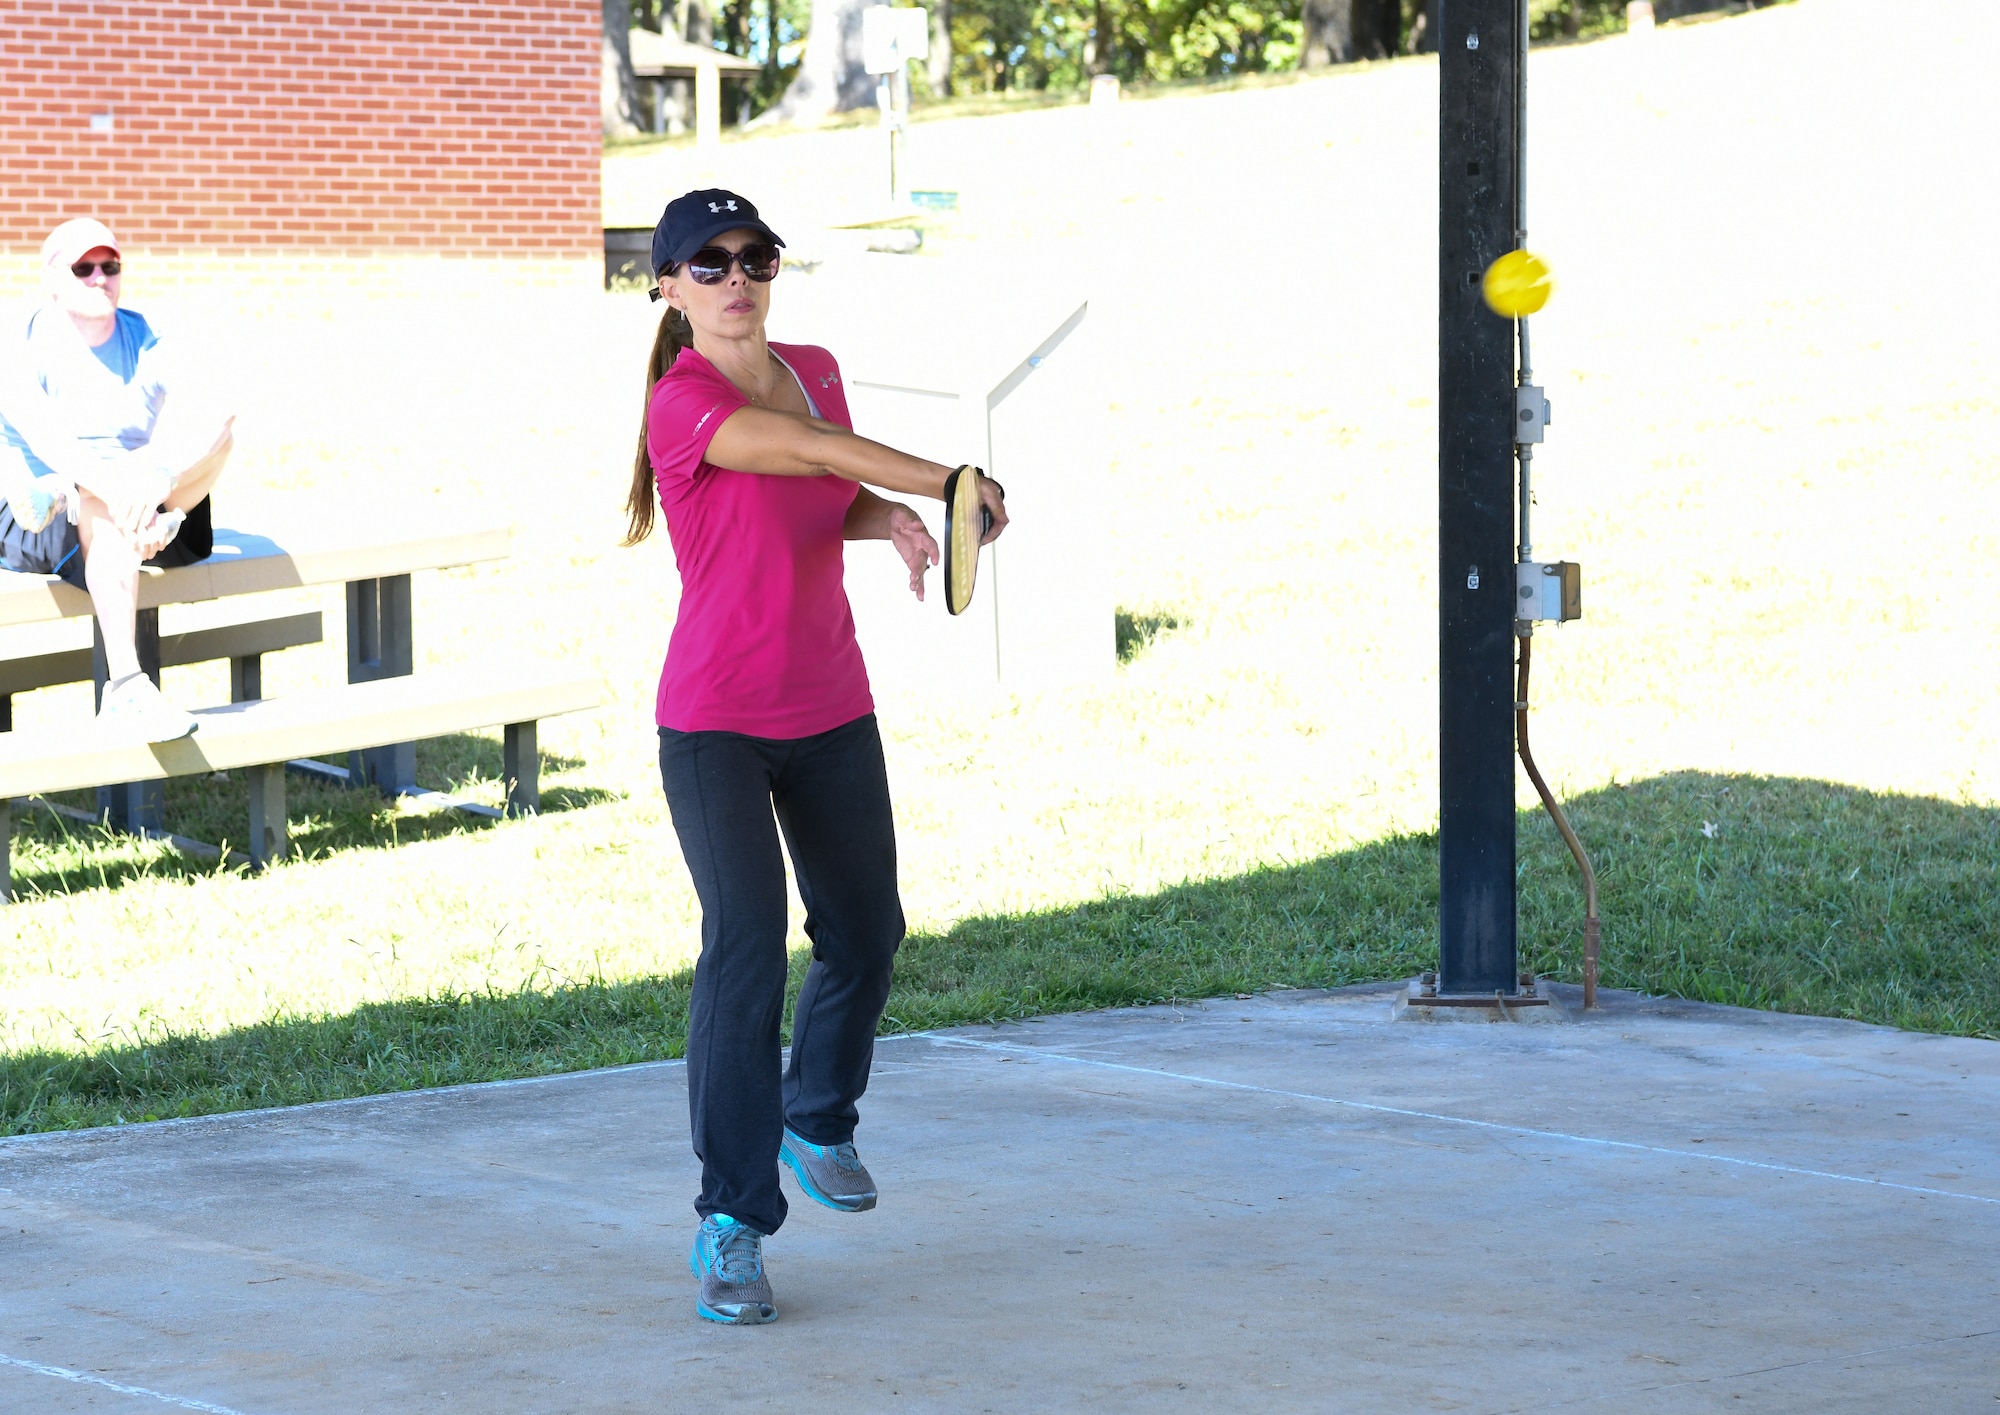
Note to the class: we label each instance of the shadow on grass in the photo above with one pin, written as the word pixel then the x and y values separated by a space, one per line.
pixel 1789 894
pixel 55 855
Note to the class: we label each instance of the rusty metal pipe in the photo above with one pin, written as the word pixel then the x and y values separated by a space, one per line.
pixel 1592 934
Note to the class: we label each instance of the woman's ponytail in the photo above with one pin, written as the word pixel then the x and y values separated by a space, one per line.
pixel 675 335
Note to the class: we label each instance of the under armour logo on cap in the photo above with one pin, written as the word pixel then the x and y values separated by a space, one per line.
pixel 722 206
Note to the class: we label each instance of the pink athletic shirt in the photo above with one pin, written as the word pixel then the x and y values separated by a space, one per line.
pixel 764 643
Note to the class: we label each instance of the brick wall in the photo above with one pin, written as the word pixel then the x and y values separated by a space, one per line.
pixel 351 127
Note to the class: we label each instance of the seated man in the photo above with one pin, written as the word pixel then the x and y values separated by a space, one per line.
pixel 97 477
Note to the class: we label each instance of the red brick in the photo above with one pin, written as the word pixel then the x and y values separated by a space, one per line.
pixel 343 124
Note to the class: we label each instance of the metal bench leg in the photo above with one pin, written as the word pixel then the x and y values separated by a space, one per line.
pixel 522 761
pixel 138 805
pixel 268 838
pixel 6 851
pixel 378 646
pixel 6 712
pixel 246 678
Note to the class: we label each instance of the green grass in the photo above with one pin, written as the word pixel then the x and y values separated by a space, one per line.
pixel 56 854
pixel 1134 632
pixel 1776 893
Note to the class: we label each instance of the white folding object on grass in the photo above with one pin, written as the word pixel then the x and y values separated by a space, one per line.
pixel 952 362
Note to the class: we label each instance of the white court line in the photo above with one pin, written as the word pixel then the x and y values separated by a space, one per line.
pixel 1463 1120
pixel 63 1373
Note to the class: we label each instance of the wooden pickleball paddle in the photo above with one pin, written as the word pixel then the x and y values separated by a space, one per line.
pixel 968 521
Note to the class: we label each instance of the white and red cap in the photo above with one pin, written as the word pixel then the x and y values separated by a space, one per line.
pixel 71 241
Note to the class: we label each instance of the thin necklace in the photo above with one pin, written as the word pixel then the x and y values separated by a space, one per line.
pixel 770 358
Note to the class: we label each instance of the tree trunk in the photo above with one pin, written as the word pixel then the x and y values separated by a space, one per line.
pixel 939 64
pixel 1328 27
pixel 700 23
pixel 1573 19
pixel 1423 29
pixel 676 114
pixel 618 96
pixel 1378 28
pixel 831 78
pixel 1097 50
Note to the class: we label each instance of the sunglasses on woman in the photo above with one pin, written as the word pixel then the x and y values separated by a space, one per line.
pixel 710 265
pixel 81 270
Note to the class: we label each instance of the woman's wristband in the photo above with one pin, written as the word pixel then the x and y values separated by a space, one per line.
pixel 981 473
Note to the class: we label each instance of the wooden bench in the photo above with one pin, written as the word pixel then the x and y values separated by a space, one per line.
pixel 375 563
pixel 243 643
pixel 261 736
pixel 321 553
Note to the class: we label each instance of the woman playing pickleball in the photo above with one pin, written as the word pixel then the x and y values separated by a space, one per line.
pixel 764 711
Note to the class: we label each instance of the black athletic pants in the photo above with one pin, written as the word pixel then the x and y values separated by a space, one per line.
pixel 831 797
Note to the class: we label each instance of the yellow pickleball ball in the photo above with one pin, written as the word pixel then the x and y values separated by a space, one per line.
pixel 1518 285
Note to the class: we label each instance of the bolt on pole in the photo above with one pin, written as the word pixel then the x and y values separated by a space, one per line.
pixel 1481 72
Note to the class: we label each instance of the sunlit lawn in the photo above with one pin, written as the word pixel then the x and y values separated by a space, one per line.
pixel 1773 451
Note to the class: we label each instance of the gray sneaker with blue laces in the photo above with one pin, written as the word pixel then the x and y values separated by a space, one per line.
pixel 831 1174
pixel 728 1257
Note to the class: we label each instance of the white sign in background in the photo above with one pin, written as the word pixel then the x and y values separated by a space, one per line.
pixel 892 36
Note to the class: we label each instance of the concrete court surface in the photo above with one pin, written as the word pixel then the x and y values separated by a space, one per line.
pixel 1281 1203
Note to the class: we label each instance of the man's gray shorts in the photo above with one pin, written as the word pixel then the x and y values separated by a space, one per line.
pixel 55 550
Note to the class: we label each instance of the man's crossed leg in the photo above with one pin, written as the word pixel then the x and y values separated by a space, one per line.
pixel 112 553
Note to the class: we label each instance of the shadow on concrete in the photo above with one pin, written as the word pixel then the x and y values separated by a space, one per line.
pixel 1284 1203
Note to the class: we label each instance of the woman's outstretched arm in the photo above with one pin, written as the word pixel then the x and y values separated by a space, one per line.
pixel 778 444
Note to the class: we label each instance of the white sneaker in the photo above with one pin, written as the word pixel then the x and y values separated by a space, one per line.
pixel 133 707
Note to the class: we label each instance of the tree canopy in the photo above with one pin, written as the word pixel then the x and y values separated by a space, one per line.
pixel 989 46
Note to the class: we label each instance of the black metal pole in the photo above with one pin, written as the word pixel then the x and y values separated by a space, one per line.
pixel 1479 66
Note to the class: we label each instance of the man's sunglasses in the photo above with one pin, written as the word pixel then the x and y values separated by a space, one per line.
pixel 710 265
pixel 81 270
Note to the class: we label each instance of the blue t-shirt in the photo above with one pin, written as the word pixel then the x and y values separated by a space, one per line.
pixel 120 353
pixel 107 399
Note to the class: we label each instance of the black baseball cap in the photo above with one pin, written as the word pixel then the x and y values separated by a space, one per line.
pixel 692 221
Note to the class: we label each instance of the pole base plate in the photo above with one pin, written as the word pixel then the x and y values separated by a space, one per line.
pixel 1422 1002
